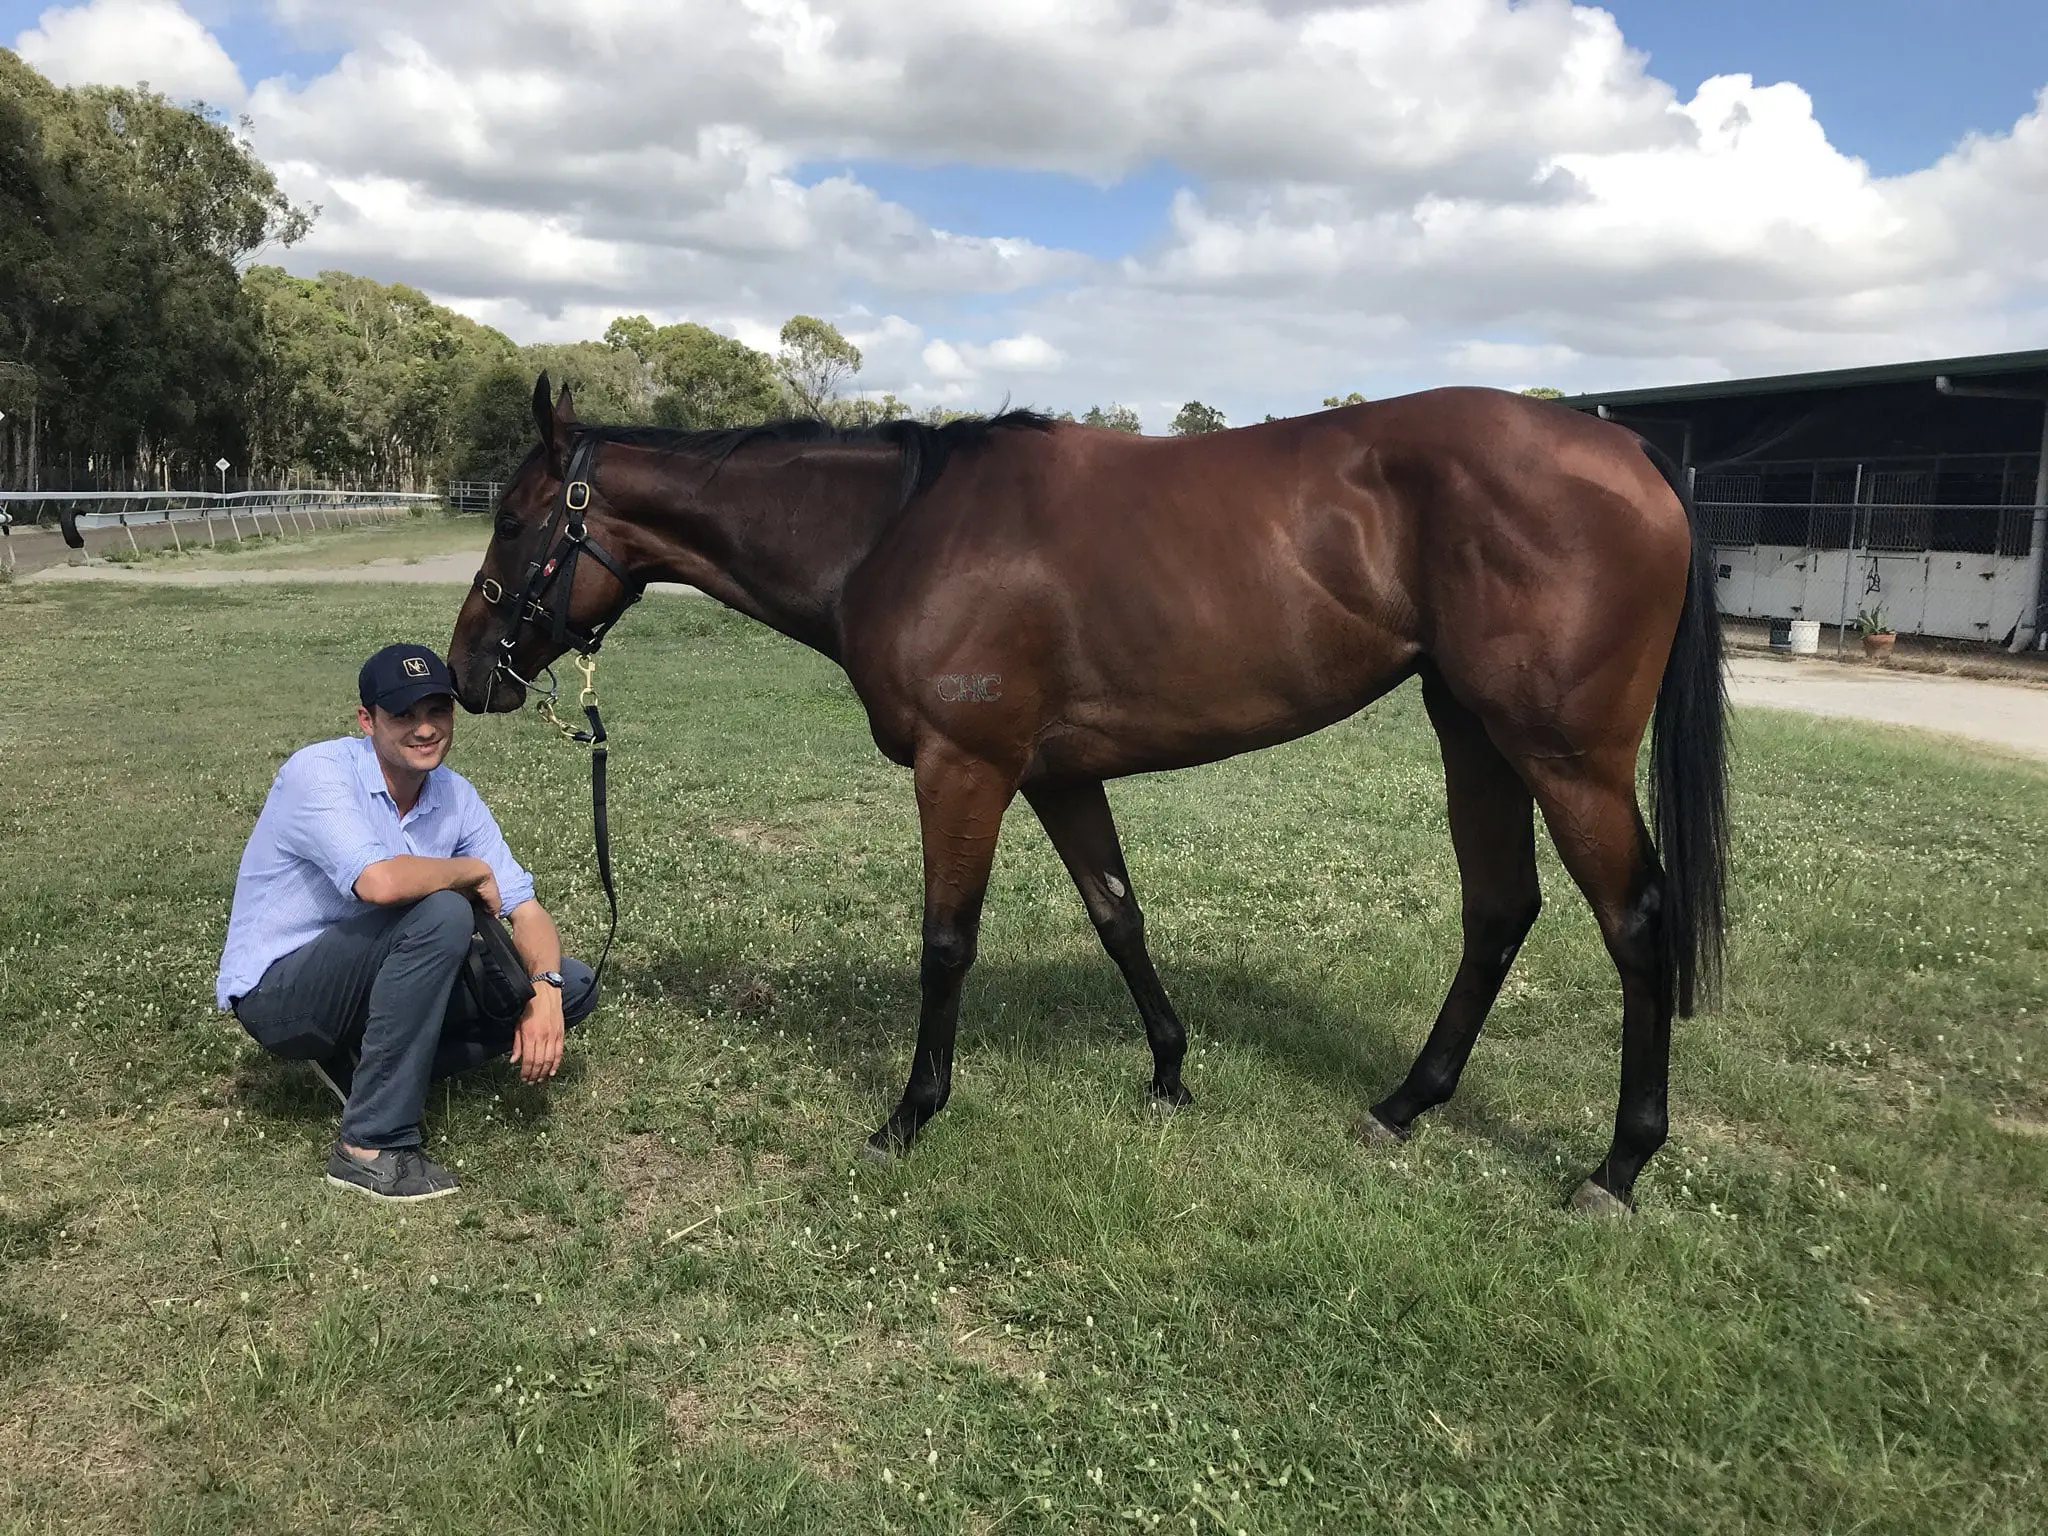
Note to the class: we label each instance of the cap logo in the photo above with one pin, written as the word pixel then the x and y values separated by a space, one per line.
pixel 415 666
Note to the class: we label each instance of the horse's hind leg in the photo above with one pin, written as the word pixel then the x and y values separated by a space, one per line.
pixel 1589 803
pixel 960 805
pixel 1076 817
pixel 1493 832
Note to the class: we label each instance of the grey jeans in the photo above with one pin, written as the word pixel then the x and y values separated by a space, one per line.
pixel 385 984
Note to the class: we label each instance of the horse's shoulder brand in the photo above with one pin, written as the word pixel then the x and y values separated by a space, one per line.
pixel 969 687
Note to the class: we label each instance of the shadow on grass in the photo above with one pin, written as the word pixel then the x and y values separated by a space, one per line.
pixel 862 1020
pixel 287 1091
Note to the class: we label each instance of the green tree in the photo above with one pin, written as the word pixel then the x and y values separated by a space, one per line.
pixel 123 219
pixel 360 381
pixel 1331 402
pixel 815 361
pixel 494 427
pixel 1118 418
pixel 611 384
pixel 632 333
pixel 1195 418
pixel 865 411
pixel 1543 392
pixel 707 380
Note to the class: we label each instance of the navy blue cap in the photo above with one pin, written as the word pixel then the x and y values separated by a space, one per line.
pixel 399 676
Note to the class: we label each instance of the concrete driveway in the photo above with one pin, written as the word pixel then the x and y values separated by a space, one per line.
pixel 2009 715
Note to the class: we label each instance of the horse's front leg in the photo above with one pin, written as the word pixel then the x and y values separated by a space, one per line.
pixel 960 805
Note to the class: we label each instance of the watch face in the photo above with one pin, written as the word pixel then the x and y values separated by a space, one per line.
pixel 552 978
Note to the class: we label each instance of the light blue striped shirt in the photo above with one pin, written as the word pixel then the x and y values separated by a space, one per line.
pixel 329 817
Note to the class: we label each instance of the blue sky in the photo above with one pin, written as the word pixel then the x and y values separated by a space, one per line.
pixel 1896 82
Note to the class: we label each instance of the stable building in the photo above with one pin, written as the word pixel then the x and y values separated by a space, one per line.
pixel 1918 489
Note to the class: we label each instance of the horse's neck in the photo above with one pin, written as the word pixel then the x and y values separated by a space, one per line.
pixel 777 538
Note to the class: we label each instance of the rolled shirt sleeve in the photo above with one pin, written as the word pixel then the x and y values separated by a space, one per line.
pixel 325 824
pixel 481 839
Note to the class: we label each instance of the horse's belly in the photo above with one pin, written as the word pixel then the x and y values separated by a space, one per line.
pixel 1218 702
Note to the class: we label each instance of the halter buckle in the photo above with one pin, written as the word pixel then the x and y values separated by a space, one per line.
pixel 494 593
pixel 569 495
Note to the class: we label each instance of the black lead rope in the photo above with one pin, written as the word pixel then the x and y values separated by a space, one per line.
pixel 601 828
pixel 600 814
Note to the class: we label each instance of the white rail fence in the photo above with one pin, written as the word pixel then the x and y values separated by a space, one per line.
pixel 213 512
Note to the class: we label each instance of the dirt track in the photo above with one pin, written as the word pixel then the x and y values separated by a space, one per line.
pixel 455 569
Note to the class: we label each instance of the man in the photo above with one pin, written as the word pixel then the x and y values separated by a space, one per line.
pixel 353 917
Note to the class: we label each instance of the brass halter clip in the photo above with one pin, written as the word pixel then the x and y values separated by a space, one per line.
pixel 587 665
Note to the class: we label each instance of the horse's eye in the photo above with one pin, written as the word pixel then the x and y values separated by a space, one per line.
pixel 508 527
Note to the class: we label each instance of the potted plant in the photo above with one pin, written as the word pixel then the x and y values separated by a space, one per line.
pixel 1878 635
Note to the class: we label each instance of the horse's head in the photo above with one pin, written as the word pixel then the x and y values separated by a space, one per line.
pixel 540 590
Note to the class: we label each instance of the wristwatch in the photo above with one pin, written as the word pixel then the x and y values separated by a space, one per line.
pixel 552 978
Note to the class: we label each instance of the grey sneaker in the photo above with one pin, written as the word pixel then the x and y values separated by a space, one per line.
pixel 396 1173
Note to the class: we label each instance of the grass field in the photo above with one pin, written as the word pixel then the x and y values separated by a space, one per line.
pixel 670 1297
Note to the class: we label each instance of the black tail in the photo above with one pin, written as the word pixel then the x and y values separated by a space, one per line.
pixel 1689 774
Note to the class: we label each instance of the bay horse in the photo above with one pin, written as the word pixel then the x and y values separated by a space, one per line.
pixel 1029 606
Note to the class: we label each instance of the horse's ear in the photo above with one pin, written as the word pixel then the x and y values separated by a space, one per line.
pixel 544 417
pixel 556 420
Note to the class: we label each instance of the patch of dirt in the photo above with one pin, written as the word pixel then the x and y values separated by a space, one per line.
pixel 805 1395
pixel 651 1175
pixel 769 1399
pixel 48 1438
pixel 648 1173
pixel 985 1341
pixel 2019 1125
pixel 762 838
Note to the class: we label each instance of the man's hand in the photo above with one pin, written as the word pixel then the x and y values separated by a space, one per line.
pixel 486 891
pixel 537 1043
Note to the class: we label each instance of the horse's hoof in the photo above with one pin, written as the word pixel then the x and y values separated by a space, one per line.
pixel 1589 1199
pixel 1375 1132
pixel 1169 1103
pixel 879 1148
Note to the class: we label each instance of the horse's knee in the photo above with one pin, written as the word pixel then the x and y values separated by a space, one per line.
pixel 1494 933
pixel 1119 923
pixel 948 949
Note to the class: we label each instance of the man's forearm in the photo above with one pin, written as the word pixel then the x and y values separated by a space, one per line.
pixel 408 877
pixel 534 936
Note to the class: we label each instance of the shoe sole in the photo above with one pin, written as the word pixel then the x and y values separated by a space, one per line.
pixel 371 1194
pixel 332 1086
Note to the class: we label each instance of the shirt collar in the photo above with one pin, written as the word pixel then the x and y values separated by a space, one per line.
pixel 370 773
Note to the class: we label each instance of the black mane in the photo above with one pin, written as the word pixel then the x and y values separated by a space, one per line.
pixel 925 449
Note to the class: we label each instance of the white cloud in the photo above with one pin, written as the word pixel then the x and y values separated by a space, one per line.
pixel 1379 193
pixel 125 42
pixel 1025 354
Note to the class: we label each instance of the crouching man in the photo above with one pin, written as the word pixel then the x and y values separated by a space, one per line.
pixel 352 921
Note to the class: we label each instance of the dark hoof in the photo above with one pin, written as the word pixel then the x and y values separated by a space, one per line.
pixel 883 1148
pixel 1589 1199
pixel 1163 1102
pixel 1375 1132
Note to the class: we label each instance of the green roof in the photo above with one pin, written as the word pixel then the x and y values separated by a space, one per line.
pixel 1992 365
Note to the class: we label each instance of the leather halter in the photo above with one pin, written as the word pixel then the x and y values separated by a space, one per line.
pixel 557 567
